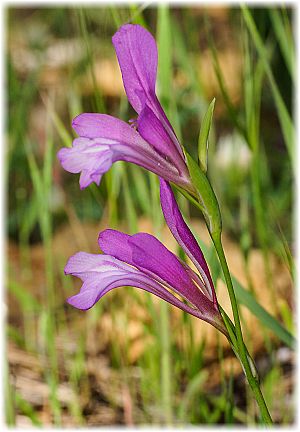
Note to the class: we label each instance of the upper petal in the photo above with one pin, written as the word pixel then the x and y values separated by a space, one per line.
pixel 93 125
pixel 145 252
pixel 113 131
pixel 137 55
pixel 183 235
pixel 115 243
pixel 105 140
pixel 148 254
pixel 153 131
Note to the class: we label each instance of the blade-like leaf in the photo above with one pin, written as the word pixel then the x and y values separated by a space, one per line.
pixel 203 136
pixel 283 114
pixel 247 299
pixel 284 41
pixel 205 195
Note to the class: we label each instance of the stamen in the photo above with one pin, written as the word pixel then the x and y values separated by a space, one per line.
pixel 133 123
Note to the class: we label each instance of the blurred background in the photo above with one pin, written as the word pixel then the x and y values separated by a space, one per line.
pixel 132 359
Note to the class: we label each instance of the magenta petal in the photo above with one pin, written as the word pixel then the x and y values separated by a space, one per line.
pixel 137 55
pixel 87 156
pixel 105 140
pixel 145 252
pixel 152 130
pixel 183 235
pixel 83 265
pixel 102 273
pixel 150 255
pixel 115 243
pixel 106 127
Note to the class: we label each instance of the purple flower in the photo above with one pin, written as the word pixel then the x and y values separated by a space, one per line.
pixel 143 262
pixel 150 143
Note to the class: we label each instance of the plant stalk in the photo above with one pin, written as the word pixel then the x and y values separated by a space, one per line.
pixel 242 350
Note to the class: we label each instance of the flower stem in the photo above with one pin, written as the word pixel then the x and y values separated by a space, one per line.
pixel 166 363
pixel 242 350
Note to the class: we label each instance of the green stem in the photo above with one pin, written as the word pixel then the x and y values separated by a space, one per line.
pixel 242 350
pixel 165 363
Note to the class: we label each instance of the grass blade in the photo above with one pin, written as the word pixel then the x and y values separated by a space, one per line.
pixel 246 298
pixel 283 114
pixel 285 43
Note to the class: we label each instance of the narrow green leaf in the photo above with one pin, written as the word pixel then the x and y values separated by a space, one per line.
pixel 27 301
pixel 203 136
pixel 205 195
pixel 287 315
pixel 99 101
pixel 195 386
pixel 131 215
pixel 283 114
pixel 284 41
pixel 166 47
pixel 165 54
pixel 9 394
pixel 60 128
pixel 141 186
pixel 247 299
pixel 231 109
pixel 137 14
pixel 27 409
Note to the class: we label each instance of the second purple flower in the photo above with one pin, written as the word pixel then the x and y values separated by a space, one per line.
pixel 144 262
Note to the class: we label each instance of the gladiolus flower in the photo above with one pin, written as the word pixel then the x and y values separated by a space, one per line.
pixel 143 262
pixel 150 143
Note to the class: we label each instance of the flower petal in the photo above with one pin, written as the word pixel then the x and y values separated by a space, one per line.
pixel 183 235
pixel 93 125
pixel 152 130
pixel 102 273
pixel 150 256
pixel 105 140
pixel 90 158
pixel 115 243
pixel 83 265
pixel 137 55
pixel 146 253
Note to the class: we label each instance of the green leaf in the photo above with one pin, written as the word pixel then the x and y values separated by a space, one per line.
pixel 285 42
pixel 286 122
pixel 205 196
pixel 246 298
pixel 165 54
pixel 25 298
pixel 27 409
pixel 195 386
pixel 203 136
